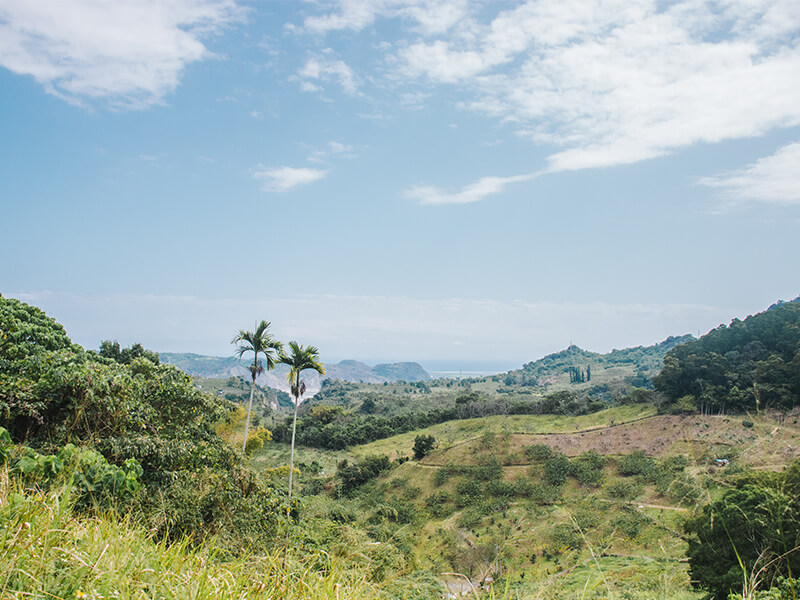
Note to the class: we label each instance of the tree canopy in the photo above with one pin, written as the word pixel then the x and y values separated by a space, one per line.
pixel 749 365
pixel 750 536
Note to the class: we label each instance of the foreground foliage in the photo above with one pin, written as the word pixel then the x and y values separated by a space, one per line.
pixel 54 393
pixel 50 551
pixel 750 537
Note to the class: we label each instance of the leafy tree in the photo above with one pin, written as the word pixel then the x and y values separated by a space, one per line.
pixel 423 445
pixel 355 475
pixel 300 359
pixel 556 469
pixel 748 365
pixel 125 356
pixel 748 537
pixel 53 393
pixel 259 341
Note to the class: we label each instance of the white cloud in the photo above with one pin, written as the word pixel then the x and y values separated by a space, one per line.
pixel 321 69
pixel 474 192
pixel 774 179
pixel 606 82
pixel 338 147
pixel 623 82
pixel 126 53
pixel 429 16
pixel 333 148
pixel 282 179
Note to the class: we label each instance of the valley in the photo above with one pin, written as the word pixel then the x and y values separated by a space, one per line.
pixel 655 472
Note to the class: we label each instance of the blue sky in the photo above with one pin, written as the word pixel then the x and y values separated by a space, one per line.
pixel 453 182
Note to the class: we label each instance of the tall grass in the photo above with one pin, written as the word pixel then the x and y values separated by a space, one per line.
pixel 48 551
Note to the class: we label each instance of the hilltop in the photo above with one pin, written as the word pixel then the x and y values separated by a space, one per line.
pixel 576 365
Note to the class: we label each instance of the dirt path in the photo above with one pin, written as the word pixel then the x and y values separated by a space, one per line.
pixel 645 505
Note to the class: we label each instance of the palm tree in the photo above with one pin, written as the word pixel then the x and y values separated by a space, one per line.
pixel 299 360
pixel 258 342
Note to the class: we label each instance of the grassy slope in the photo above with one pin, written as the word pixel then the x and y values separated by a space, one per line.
pixel 631 546
pixel 48 551
pixel 452 433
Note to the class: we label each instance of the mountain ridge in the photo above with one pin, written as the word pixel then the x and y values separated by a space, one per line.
pixel 345 370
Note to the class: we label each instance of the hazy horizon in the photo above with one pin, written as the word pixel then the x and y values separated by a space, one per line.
pixel 430 181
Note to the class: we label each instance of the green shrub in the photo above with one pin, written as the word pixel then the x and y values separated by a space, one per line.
pixel 468 492
pixel 488 470
pixel 6 446
pixel 588 468
pixel 313 487
pixel 556 469
pixel 423 445
pixel 545 494
pixel 624 490
pixel 438 504
pixel 500 488
pixel 94 481
pixel 587 517
pixel 538 452
pixel 630 524
pixel 440 477
pixel 565 537
pixel 470 518
pixel 676 463
pixel 636 463
pixel 256 440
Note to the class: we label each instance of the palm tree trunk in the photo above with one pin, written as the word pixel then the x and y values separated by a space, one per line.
pixel 249 409
pixel 294 428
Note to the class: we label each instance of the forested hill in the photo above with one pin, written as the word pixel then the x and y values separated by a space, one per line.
pixel 749 365
pixel 646 360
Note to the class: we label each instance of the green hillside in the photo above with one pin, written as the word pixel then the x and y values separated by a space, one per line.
pixel 556 506
pixel 574 365
pixel 551 490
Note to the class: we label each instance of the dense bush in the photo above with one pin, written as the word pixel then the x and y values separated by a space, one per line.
pixel 124 424
pixel 753 530
pixel 565 537
pixel 636 463
pixel 556 469
pixel 588 468
pixel 748 365
pixel 423 445
pixel 352 476
pixel 538 452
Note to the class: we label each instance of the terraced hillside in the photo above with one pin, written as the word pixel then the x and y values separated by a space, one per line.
pixel 560 507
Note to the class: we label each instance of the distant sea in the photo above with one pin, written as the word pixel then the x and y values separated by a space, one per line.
pixel 461 374
pixel 457 370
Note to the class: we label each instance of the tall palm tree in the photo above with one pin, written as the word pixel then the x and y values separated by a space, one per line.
pixel 259 341
pixel 299 360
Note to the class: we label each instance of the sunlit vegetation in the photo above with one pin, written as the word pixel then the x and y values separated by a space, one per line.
pixel 120 477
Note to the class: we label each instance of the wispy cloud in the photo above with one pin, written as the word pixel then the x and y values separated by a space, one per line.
pixel 474 192
pixel 282 179
pixel 126 53
pixel 428 16
pixel 333 148
pixel 610 83
pixel 321 69
pixel 339 148
pixel 773 179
